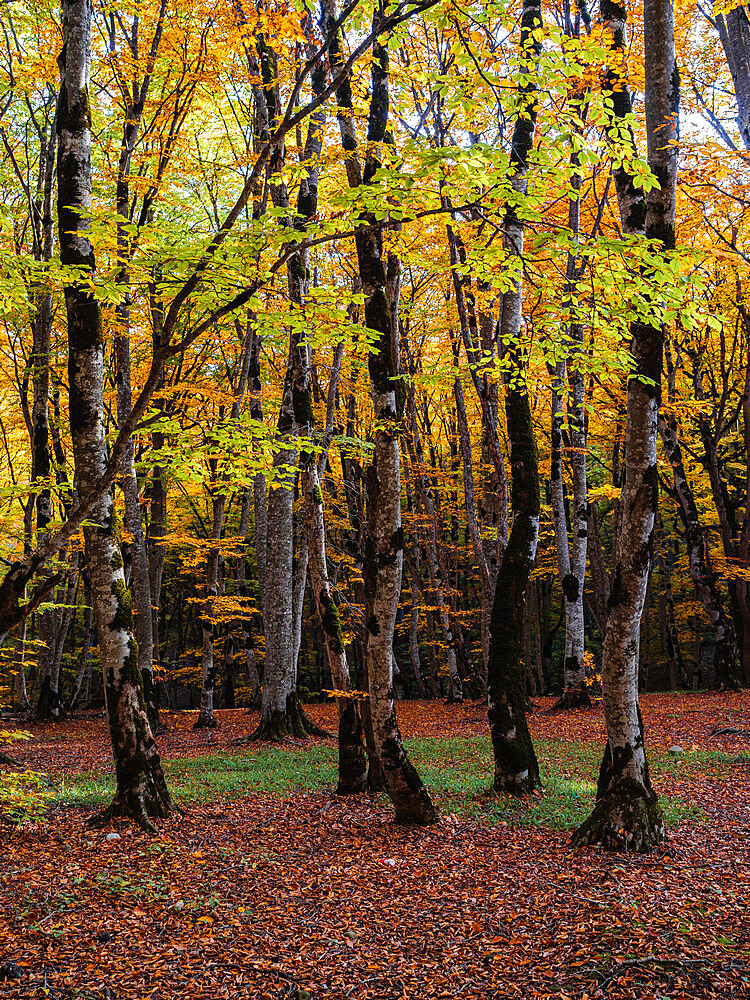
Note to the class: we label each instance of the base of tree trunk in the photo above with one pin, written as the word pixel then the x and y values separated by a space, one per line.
pixel 352 759
pixel 47 704
pixel 729 673
pixel 410 798
pixel 141 802
pixel 293 722
pixel 627 818
pixel 575 696
pixel 516 764
pixel 206 722
pixel 519 784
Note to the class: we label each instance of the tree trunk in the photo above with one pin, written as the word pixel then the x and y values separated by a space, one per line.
pixel 414 657
pixel 728 656
pixel 627 815
pixel 472 521
pixel 281 713
pixel 516 767
pixel 667 620
pixel 429 518
pixel 352 777
pixel 385 541
pixel 600 582
pixel 141 789
pixel 135 550
pixel 157 526
pixel 734 33
pixel 83 656
pixel 21 695
pixel 206 717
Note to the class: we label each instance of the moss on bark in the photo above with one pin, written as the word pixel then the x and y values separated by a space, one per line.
pixel 293 722
pixel 626 818
pixel 352 760
pixel 575 696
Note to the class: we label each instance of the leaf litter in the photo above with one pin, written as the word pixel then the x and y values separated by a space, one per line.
pixel 308 896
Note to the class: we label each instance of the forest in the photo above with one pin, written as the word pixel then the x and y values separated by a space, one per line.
pixel 374 498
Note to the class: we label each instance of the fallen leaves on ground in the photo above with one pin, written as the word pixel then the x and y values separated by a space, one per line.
pixel 315 897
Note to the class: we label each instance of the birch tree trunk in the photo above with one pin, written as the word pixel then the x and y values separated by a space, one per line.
pixel 627 815
pixel 141 789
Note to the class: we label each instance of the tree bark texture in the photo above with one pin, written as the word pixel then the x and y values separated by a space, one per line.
pixel 141 789
pixel 734 33
pixel 627 815
pixel 385 541
pixel 516 767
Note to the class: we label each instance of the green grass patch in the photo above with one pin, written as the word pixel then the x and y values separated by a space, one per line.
pixel 458 772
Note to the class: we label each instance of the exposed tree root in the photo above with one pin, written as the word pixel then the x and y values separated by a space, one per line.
pixel 572 697
pixel 627 818
pixel 294 722
pixel 142 801
pixel 730 731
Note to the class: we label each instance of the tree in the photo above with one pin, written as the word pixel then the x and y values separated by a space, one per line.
pixel 141 792
pixel 627 814
pixel 516 767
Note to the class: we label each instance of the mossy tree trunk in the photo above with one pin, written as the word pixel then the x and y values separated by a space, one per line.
pixel 385 539
pixel 627 814
pixel 141 789
pixel 516 767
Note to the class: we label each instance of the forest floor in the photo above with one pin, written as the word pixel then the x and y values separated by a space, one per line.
pixel 271 887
